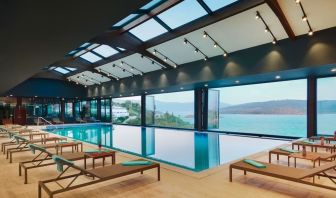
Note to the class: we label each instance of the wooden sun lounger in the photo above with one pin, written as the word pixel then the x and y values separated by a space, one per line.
pixel 39 161
pixel 289 173
pixel 99 175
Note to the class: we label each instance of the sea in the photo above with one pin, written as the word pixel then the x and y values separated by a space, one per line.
pixel 270 124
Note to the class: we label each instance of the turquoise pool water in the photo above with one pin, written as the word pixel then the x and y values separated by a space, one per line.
pixel 185 149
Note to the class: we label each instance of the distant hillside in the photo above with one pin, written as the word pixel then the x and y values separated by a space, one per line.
pixel 294 107
pixel 183 107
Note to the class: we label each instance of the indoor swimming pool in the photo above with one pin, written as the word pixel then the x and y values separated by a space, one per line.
pixel 186 149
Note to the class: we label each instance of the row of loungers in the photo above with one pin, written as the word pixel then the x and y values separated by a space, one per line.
pixel 65 161
pixel 303 176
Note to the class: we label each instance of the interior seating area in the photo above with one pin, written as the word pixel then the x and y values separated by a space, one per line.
pixel 168 98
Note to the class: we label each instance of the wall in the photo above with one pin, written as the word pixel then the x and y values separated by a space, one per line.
pixel 303 55
pixel 43 87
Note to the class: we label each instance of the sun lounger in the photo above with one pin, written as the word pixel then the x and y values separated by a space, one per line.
pixel 40 161
pixel 57 121
pixel 79 120
pixel 99 175
pixel 302 176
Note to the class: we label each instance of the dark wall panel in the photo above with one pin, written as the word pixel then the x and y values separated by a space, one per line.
pixel 42 87
pixel 302 55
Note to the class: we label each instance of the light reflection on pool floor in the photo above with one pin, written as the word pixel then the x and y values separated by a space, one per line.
pixel 185 149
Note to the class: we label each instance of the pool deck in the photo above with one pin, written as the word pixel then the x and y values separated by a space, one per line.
pixel 175 182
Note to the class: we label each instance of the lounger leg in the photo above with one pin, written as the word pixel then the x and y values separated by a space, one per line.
pixel 230 174
pixel 141 172
pixel 158 172
pixel 244 172
pixel 39 190
pixel 278 157
pixel 269 157
pixel 10 157
pixel 19 169
pixel 25 176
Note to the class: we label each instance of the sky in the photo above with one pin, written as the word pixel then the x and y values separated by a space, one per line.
pixel 183 96
pixel 326 88
pixel 294 89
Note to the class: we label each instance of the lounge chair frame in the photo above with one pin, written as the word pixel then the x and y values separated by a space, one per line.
pixel 82 172
pixel 320 173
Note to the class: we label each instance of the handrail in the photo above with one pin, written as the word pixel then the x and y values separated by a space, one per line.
pixel 45 120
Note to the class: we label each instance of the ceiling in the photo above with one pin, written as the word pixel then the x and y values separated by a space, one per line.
pixel 231 32
pixel 35 34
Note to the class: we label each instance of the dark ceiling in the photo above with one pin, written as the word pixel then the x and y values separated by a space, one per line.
pixel 36 33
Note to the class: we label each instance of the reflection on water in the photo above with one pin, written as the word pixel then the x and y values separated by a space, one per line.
pixel 190 150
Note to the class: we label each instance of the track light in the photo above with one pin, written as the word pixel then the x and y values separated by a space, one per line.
pixel 257 16
pixel 266 30
pixel 310 33
pixel 274 41
pixel 205 35
pixel 76 83
pixel 122 62
pixel 165 59
pixel 174 65
pixel 123 70
pixel 196 50
pixel 297 1
pixel 142 56
pixel 205 58
pixel 85 86
pixel 69 79
pixel 154 52
pixel 304 18
pixel 225 54
pixel 215 45
pixel 153 62
pixel 113 65
pixel 185 41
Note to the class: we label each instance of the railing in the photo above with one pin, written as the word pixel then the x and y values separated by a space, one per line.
pixel 43 120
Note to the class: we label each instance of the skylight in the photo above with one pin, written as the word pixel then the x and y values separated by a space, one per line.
pixel 80 53
pixel 217 4
pixel 121 49
pixel 126 20
pixel 89 56
pixel 148 30
pixel 71 68
pixel 105 51
pixel 61 70
pixel 84 45
pixel 182 13
pixel 151 4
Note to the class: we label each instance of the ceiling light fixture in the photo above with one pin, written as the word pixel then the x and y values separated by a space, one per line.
pixel 165 58
pixel 196 49
pixel 109 74
pixel 267 29
pixel 333 70
pixel 277 77
pixel 305 18
pixel 225 53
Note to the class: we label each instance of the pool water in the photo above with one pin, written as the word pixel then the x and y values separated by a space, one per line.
pixel 196 151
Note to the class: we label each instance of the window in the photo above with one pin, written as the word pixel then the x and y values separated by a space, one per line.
pixel 171 110
pixel 71 68
pixel 93 108
pixel 148 30
pixel 151 4
pixel 126 20
pixel 278 108
pixel 53 110
pixel 182 13
pixel 217 4
pixel 89 56
pixel 126 110
pixel 326 106
pixel 61 70
pixel 105 50
pixel 77 109
pixel 68 110
pixel 105 110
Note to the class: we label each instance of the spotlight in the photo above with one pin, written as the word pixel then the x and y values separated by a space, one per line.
pixel 162 90
pixel 145 92
pixel 141 74
pixel 181 88
pixel 185 41
pixel 174 65
pixel 205 58
pixel 153 62
pixel 277 77
pixel 196 50
pixel 237 82
pixel 165 59
pixel 225 54
pixel 85 86
pixel 274 41
pixel 333 70
pixel 154 52
pixel 142 56
pixel 297 1
pixel 69 79
pixel 117 78
pixel 132 68
pixel 76 83
pixel 122 62
pixel 266 30
pixel 215 45
pixel 205 35
pixel 113 65
pixel 206 85
pixel 109 74
pixel 310 33
pixel 123 70
pixel 304 18
pixel 257 16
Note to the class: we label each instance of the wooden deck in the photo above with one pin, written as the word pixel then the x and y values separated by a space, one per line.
pixel 174 182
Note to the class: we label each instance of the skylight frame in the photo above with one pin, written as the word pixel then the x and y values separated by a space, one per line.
pixel 224 3
pixel 146 28
pixel 91 57
pixel 61 70
pixel 105 51
pixel 127 20
pixel 152 4
pixel 179 14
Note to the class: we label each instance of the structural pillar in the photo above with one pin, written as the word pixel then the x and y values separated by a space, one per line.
pixel 311 107
pixel 143 110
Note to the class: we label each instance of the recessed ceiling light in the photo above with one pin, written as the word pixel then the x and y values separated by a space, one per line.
pixel 333 69
pixel 120 95
pixel 205 85
pixel 11 95
pixel 181 88
pixel 162 90
pixel 277 77
pixel 145 92
pixel 35 96
pixel 237 81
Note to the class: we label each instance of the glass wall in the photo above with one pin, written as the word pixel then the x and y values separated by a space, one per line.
pixel 93 108
pixel 326 106
pixel 105 110
pixel 126 110
pixel 77 109
pixel 53 110
pixel 171 110
pixel 277 108
pixel 69 110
